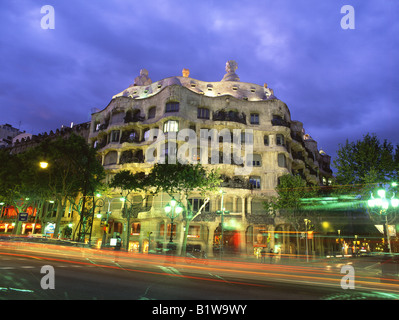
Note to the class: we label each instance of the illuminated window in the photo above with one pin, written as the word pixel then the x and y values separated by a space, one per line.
pixel 162 230
pixel 194 231
pixel 171 126
pixel 135 230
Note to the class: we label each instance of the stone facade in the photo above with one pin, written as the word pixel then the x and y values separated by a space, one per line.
pixel 277 145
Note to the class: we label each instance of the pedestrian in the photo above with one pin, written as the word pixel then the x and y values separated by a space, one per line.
pixel 118 243
pixel 263 255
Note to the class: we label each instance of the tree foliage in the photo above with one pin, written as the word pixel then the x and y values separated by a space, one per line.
pixel 73 169
pixel 180 181
pixel 364 163
pixel 290 202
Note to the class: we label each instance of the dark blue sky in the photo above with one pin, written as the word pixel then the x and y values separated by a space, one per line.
pixel 340 83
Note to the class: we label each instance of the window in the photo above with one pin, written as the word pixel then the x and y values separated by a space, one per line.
pixel 135 230
pixel 254 182
pixel 197 203
pixel 194 231
pixel 172 107
pixel 114 136
pixel 247 138
pixel 282 162
pixel 266 140
pixel 279 140
pixel 203 113
pixel 169 149
pixel 254 118
pixel 256 161
pixel 111 158
pixel 162 230
pixel 151 112
pixel 171 126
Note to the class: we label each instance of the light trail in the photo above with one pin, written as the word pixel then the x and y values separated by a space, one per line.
pixel 245 271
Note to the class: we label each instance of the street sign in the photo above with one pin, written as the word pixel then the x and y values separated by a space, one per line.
pixel 23 216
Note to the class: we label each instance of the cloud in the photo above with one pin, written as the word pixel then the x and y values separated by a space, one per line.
pixel 339 83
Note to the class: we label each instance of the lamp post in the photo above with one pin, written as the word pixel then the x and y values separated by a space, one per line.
pixel 382 205
pixel 222 211
pixel 172 210
pixel 306 238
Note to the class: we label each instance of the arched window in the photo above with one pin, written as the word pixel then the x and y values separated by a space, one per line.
pixel 203 113
pixel 111 158
pixel 151 112
pixel 279 139
pixel 282 161
pixel 171 126
pixel 172 107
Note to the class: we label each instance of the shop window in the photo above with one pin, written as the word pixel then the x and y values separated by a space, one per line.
pixel 194 232
pixel 168 227
pixel 135 230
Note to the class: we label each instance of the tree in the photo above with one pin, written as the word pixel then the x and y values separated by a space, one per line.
pixel 363 164
pixel 363 167
pixel 293 201
pixel 182 181
pixel 292 189
pixel 129 183
pixel 73 169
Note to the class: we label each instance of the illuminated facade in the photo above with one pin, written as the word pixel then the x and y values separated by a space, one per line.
pixel 271 145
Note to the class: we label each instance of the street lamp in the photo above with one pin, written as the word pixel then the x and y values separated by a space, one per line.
pixel 43 164
pixel 172 210
pixel 382 205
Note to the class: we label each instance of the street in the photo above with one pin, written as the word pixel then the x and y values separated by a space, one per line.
pixel 89 274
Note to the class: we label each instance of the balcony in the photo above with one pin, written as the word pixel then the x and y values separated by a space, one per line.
pixel 233 116
pixel 280 122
